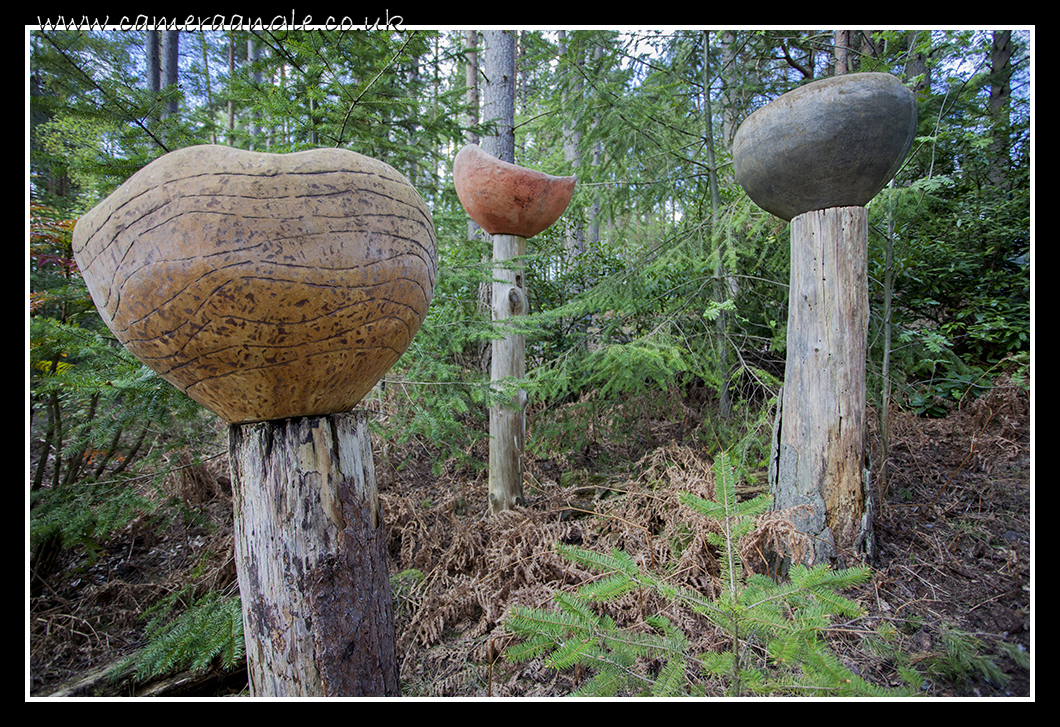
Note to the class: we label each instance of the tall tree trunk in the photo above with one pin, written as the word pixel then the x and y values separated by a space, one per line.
pixel 843 58
pixel 311 558
pixel 998 106
pixel 471 73
pixel 170 67
pixel 598 154
pixel 730 92
pixel 206 78
pixel 253 56
pixel 231 94
pixel 498 108
pixel 720 283
pixel 885 369
pixel 819 448
pixel 570 54
pixel 508 296
pixel 507 365
pixel 916 67
pixel 484 349
pixel 154 71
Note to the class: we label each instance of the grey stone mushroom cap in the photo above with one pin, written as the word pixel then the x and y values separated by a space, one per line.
pixel 831 143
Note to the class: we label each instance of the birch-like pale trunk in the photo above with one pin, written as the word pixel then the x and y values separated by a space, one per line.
pixel 508 295
pixel 508 365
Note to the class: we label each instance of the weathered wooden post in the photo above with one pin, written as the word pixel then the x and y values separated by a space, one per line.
pixel 816 156
pixel 510 203
pixel 276 289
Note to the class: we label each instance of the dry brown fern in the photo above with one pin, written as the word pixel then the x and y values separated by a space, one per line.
pixel 476 568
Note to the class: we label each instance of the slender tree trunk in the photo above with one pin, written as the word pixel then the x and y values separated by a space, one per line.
pixel 231 78
pixel 471 84
pixel 484 349
pixel 819 449
pixel 46 448
pixel 885 393
pixel 916 67
pixel 598 158
pixel 842 52
pixel 508 296
pixel 206 78
pixel 730 93
pixel 999 105
pixel 498 107
pixel 75 462
pixel 311 558
pixel 132 452
pixel 112 449
pixel 253 56
pixel 508 364
pixel 720 283
pixel 152 51
pixel 571 60
pixel 471 73
pixel 171 66
pixel 55 411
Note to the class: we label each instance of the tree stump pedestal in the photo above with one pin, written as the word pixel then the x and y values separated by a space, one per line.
pixel 819 436
pixel 816 156
pixel 311 556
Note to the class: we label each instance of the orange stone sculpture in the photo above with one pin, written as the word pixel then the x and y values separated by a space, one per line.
pixel 506 199
pixel 265 286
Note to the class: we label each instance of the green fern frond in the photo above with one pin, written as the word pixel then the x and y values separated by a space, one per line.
pixel 554 624
pixel 617 560
pixel 208 632
pixel 608 682
pixel 608 588
pixel 573 651
pixel 530 648
pixel 671 681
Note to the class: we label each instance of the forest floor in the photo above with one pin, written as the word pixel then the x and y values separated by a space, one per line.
pixel 954 532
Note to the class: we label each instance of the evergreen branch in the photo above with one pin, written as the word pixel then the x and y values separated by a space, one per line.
pixel 92 82
pixel 786 618
pixel 346 118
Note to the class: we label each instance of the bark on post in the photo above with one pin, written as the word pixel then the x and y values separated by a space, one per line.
pixel 819 451
pixel 311 556
pixel 816 156
pixel 508 364
pixel 511 203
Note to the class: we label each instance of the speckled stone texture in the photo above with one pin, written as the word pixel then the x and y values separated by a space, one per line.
pixel 506 199
pixel 264 285
pixel 831 143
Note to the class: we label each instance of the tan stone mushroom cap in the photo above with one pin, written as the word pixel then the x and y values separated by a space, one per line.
pixel 506 199
pixel 831 143
pixel 265 286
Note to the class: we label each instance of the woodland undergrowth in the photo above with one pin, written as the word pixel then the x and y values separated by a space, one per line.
pixel 655 591
pixel 625 543
pixel 627 582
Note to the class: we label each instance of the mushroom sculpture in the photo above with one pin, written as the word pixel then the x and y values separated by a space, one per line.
pixel 276 290
pixel 816 156
pixel 511 203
